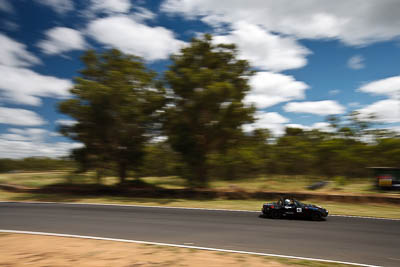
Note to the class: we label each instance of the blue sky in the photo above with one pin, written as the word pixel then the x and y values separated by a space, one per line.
pixel 313 58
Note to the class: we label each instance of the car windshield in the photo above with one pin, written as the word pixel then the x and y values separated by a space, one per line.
pixel 298 203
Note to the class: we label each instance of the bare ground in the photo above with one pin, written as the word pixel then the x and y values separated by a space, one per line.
pixel 32 250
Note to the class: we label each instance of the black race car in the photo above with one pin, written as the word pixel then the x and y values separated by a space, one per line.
pixel 289 207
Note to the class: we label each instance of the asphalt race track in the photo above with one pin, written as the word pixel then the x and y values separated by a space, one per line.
pixel 359 240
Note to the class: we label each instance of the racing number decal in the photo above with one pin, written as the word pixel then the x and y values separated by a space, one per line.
pixel 299 210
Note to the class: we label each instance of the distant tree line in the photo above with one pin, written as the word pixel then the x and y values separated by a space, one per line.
pixel 189 122
pixel 35 164
pixel 297 152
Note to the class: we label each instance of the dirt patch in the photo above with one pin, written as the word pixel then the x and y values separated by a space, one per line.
pixel 32 250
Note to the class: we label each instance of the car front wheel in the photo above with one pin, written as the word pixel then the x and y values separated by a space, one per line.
pixel 316 216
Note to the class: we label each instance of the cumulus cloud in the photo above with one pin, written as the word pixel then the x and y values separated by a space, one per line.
pixel 24 86
pixel 354 22
pixel 386 111
pixel 268 89
pixel 59 6
pixel 296 125
pixel 110 6
pixel 100 8
pixel 334 92
pixel 129 36
pixel 9 25
pixel 388 87
pixel 62 39
pixel 13 53
pixel 356 62
pixel 322 126
pixel 32 142
pixel 326 107
pixel 66 122
pixel 263 49
pixel 21 117
pixel 354 104
pixel 21 85
pixel 33 134
pixel 6 6
pixel 142 14
pixel 269 120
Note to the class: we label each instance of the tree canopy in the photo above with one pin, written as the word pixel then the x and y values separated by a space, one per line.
pixel 115 104
pixel 207 86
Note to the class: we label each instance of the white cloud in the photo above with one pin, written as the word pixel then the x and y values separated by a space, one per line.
pixel 386 111
pixel 334 92
pixel 23 149
pixel 6 6
pixel 21 85
pixel 13 53
pixel 21 117
pixel 10 25
pixel 124 33
pixel 66 122
pixel 388 87
pixel 268 89
pixel 142 14
pixel 326 107
pixel 263 49
pixel 32 142
pixel 99 8
pixel 62 39
pixel 59 6
pixel 354 22
pixel 33 134
pixel 322 126
pixel 13 137
pixel 356 62
pixel 110 6
pixel 395 129
pixel 24 86
pixel 269 120
pixel 300 126
pixel 354 104
pixel 102 8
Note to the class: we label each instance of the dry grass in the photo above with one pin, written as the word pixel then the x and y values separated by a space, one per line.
pixel 277 183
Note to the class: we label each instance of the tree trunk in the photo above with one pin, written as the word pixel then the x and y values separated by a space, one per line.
pixel 200 175
pixel 98 176
pixel 122 172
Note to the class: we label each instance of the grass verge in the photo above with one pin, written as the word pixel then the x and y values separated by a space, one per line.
pixel 277 183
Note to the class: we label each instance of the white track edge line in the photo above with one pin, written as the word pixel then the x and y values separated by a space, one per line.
pixel 187 208
pixel 184 246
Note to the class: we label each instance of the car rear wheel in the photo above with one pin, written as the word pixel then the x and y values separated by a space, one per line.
pixel 275 214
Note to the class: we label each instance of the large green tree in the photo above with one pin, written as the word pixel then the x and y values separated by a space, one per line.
pixel 115 103
pixel 207 87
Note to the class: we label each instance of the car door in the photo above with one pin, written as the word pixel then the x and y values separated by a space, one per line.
pixel 289 210
pixel 299 210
